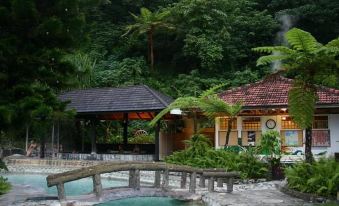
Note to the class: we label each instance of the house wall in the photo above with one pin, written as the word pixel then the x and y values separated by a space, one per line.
pixel 333 126
pixel 334 132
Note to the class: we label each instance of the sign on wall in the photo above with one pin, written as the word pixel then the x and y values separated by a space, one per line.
pixel 321 138
pixel 291 138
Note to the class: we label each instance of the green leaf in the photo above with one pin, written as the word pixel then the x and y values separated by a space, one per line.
pixel 301 40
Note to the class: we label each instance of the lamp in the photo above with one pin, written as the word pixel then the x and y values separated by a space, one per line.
pixel 176 111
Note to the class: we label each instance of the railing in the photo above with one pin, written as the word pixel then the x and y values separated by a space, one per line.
pixel 134 169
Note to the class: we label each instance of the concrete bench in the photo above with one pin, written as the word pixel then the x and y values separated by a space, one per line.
pixel 222 177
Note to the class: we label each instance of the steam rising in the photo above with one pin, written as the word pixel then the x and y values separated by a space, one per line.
pixel 286 24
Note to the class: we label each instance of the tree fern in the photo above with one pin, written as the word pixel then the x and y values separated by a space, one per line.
pixel 301 104
pixel 301 40
pixel 265 60
pixel 271 49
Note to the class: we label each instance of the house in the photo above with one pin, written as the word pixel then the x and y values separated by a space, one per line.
pixel 265 108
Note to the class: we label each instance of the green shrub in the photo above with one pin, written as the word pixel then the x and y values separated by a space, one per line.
pixel 320 178
pixel 4 185
pixel 3 165
pixel 200 154
pixel 142 139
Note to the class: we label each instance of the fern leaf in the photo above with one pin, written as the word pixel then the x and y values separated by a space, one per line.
pixel 301 40
pixel 265 60
pixel 301 101
pixel 212 90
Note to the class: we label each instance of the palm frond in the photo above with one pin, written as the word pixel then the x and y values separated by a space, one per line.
pixel 212 90
pixel 182 103
pixel 301 40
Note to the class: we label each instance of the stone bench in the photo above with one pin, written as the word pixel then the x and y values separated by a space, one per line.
pixel 221 177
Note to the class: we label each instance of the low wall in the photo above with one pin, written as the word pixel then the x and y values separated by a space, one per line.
pixel 106 157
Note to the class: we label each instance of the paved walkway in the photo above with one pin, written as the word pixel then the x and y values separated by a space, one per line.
pixel 268 197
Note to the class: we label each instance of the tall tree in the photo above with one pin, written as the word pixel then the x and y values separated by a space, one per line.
pixel 34 37
pixel 148 22
pixel 307 58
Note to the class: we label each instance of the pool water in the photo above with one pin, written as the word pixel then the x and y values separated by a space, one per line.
pixel 85 186
pixel 149 201
pixel 78 187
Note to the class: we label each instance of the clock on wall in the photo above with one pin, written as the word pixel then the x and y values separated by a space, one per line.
pixel 270 124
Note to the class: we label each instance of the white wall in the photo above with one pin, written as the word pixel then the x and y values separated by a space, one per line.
pixel 333 123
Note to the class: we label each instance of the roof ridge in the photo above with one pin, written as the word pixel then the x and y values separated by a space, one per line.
pixel 156 95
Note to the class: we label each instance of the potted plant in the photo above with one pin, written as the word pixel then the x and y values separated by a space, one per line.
pixel 270 146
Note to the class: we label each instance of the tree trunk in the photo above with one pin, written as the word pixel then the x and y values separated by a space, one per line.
pixel 150 48
pixel 228 133
pixel 42 147
pixel 308 146
pixel 195 122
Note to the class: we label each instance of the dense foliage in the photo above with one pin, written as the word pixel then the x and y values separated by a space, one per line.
pixel 200 154
pixel 47 47
pixel 320 178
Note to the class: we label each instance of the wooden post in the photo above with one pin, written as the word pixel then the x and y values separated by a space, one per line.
pixel 183 180
pixel 165 179
pixel 58 136
pixel 93 136
pixel 97 187
pixel 230 185
pixel 211 184
pixel 125 131
pixel 27 135
pixel 193 179
pixel 202 181
pixel 157 177
pixel 137 180
pixel 61 191
pixel 220 182
pixel 52 143
pixel 130 179
pixel 134 179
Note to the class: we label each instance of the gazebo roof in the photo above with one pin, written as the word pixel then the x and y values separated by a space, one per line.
pixel 273 92
pixel 126 99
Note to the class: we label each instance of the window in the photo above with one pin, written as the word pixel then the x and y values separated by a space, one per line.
pixel 251 133
pixel 251 123
pixel 320 132
pixel 223 123
pixel 320 122
pixel 288 123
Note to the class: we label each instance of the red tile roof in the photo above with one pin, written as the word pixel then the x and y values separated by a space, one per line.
pixel 273 91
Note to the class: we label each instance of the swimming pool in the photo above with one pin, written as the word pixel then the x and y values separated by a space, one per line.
pixel 78 187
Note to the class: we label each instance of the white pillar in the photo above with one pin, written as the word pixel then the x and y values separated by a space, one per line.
pixel 216 135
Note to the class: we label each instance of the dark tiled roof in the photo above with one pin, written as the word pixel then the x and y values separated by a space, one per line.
pixel 133 98
pixel 273 91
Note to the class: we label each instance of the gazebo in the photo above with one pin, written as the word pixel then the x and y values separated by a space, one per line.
pixel 124 104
